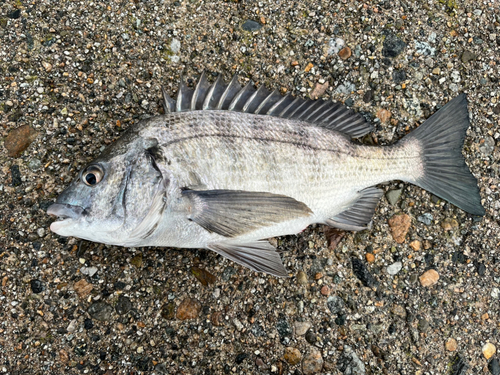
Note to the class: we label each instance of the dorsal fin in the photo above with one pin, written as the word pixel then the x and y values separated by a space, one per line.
pixel 232 97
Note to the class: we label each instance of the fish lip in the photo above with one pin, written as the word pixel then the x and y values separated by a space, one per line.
pixel 65 211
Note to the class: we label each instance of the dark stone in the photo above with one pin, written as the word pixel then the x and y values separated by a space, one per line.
pixel 168 311
pixel 240 358
pixel 459 365
pixel 398 76
pixel 336 305
pixel 123 305
pixel 340 320
pixel 361 272
pixel 311 336
pixel 284 329
pixel 119 285
pixel 392 329
pixel 423 325
pixel 349 102
pixel 36 286
pixel 368 96
pixel 15 14
pixel 494 367
pixel 392 46
pixel 227 273
pixel 250 25
pixel 15 175
pixel 349 362
pixel 481 269
pixel 80 350
pixel 100 311
pixel 257 330
pixel 468 56
pixel 496 109
pixel 88 323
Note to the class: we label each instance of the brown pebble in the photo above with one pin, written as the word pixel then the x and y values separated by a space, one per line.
pixel 308 67
pixel 313 363
pixel 384 115
pixel 203 276
pixel 318 90
pixel 345 53
pixel 302 278
pixel 399 224
pixel 429 278
pixel 189 308
pixel 318 276
pixel 325 290
pixel 292 355
pixel 416 245
pixel 451 345
pixel 449 224
pixel 295 63
pixel 82 288
pixel 217 318
pixel 137 260
pixel 19 139
pixel 63 356
pixel 333 237
pixel 370 258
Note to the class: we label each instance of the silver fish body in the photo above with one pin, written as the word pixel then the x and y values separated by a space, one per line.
pixel 208 175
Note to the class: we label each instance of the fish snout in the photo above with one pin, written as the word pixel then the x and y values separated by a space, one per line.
pixel 65 211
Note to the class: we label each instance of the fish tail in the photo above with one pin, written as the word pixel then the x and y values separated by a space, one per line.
pixel 443 171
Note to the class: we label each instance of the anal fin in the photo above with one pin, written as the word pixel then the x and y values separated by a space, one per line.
pixel 359 214
pixel 259 256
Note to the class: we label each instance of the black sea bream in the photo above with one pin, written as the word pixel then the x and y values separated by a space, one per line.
pixel 227 167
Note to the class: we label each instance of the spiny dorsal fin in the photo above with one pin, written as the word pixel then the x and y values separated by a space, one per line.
pixel 231 97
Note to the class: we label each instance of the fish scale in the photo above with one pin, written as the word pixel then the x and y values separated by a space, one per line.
pixel 227 167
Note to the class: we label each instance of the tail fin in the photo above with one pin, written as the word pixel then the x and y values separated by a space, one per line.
pixel 446 175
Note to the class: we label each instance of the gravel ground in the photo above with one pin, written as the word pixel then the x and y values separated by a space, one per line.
pixel 74 75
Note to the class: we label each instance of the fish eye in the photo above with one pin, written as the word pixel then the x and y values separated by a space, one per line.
pixel 92 175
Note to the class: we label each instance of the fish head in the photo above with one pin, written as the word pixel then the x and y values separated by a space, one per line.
pixel 111 195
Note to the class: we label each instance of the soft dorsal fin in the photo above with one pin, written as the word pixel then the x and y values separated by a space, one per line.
pixel 232 97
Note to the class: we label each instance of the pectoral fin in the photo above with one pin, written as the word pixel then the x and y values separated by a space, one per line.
pixel 259 256
pixel 358 216
pixel 232 213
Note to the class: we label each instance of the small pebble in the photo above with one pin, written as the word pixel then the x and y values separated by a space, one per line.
pixel 489 350
pixel 313 363
pixel 384 115
pixel 189 308
pixel 451 345
pixel 36 286
pixel 301 328
pixel 101 311
pixel 250 25
pixel 325 290
pixel 302 278
pixel 429 278
pixel 394 268
pixel 449 224
pixel 82 288
pixel 400 224
pixel 425 218
pixel 345 53
pixel 292 355
pixel 416 245
pixel 393 196
pixel 370 258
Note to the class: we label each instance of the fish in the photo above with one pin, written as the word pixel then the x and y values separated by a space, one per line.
pixel 228 167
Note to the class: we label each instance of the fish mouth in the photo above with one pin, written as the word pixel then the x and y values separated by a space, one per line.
pixel 65 213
